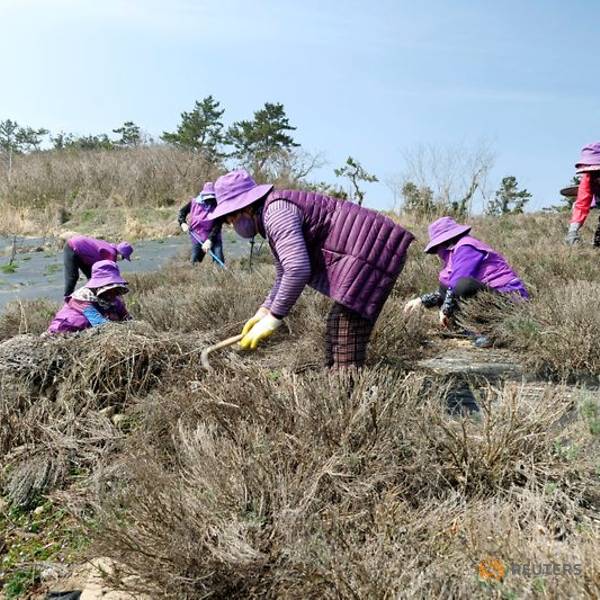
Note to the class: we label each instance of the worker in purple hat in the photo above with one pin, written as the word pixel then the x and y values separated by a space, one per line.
pixel 588 192
pixel 205 233
pixel 96 303
pixel 469 266
pixel 351 254
pixel 81 253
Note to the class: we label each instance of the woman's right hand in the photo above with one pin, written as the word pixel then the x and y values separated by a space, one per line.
pixel 412 305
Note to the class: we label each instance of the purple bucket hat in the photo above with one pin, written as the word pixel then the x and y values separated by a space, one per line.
pixel 105 273
pixel 444 230
pixel 208 191
pixel 235 191
pixel 125 249
pixel 589 159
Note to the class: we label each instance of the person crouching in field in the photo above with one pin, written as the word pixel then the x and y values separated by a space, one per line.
pixel 204 231
pixel 588 191
pixel 351 254
pixel 80 254
pixel 469 266
pixel 96 303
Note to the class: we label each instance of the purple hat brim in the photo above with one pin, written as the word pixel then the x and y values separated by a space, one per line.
pixel 241 201
pixel 99 282
pixel 112 286
pixel 446 236
pixel 586 168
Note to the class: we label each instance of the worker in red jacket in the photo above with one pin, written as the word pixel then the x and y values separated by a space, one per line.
pixel 588 192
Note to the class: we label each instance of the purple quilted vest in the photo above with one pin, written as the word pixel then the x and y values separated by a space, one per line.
pixel 199 220
pixel 494 270
pixel 356 254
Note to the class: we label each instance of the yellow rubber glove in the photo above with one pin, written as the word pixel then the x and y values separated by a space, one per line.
pixel 260 313
pixel 261 330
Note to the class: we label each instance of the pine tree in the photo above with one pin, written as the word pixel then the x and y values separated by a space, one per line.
pixel 508 198
pixel 131 135
pixel 355 173
pixel 263 138
pixel 200 130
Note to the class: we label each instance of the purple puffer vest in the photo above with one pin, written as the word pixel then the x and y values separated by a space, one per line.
pixel 91 250
pixel 356 254
pixel 494 271
pixel 70 317
pixel 199 220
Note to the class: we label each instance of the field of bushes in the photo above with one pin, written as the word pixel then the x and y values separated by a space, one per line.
pixel 134 192
pixel 272 477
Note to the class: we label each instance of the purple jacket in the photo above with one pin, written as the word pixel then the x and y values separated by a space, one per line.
pixel 70 317
pixel 199 220
pixel 355 253
pixel 493 270
pixel 91 250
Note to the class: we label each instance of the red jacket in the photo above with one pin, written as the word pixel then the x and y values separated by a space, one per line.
pixel 589 186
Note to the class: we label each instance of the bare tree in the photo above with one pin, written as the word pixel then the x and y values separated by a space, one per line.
pixel 455 174
pixel 290 167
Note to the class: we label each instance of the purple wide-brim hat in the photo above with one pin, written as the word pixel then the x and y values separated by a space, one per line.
pixel 105 273
pixel 235 191
pixel 125 249
pixel 444 230
pixel 208 191
pixel 589 157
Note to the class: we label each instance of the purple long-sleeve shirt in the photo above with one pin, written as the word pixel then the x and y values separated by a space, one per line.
pixel 282 221
pixel 465 263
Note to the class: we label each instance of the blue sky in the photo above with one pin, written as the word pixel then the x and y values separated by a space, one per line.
pixel 370 79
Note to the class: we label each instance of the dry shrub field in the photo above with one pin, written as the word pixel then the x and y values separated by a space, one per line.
pixel 131 192
pixel 88 189
pixel 269 477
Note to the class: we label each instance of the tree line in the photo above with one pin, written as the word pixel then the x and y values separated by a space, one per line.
pixel 435 181
pixel 264 144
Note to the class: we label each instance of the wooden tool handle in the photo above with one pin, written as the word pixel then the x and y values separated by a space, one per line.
pixel 228 342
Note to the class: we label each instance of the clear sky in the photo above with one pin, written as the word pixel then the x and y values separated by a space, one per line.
pixel 367 78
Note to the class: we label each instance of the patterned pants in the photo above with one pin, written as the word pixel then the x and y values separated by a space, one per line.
pixel 346 338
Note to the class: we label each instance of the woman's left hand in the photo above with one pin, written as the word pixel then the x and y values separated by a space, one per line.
pixel 262 330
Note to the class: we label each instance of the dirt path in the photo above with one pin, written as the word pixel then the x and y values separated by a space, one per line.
pixel 38 270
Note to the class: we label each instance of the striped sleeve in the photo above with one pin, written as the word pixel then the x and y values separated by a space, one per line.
pixel 278 275
pixel 283 226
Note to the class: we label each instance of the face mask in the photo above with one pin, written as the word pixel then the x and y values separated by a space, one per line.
pixel 245 226
pixel 443 253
